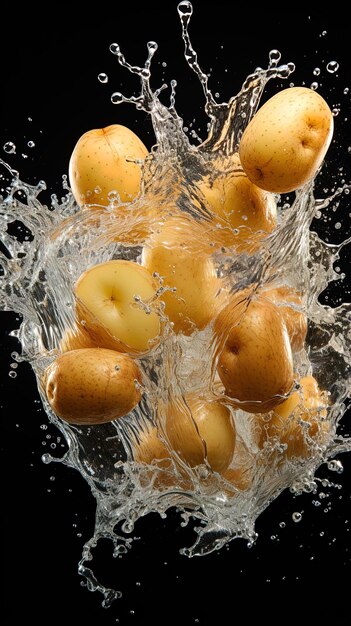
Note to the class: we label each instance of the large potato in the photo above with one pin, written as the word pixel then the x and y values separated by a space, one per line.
pixel 286 141
pixel 103 160
pixel 92 385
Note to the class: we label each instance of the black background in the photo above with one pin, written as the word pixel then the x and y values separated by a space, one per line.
pixel 49 67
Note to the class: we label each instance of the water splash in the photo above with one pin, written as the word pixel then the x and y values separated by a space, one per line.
pixel 57 244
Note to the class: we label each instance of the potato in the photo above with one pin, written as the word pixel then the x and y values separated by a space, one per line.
pixel 295 321
pixel 235 199
pixel 286 141
pixel 255 361
pixel 204 429
pixel 180 252
pixel 103 161
pixel 106 295
pixel 92 385
pixel 309 405
pixel 208 431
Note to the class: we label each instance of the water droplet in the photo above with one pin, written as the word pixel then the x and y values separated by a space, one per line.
pixel 31 144
pixel 46 458
pixel 117 98
pixel 316 71
pixel 336 466
pixel 114 48
pixel 314 85
pixel 296 517
pixel 102 77
pixel 9 147
pixel 185 8
pixel 332 67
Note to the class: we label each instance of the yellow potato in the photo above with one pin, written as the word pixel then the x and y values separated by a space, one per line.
pixel 295 321
pixel 103 160
pixel 92 385
pixel 75 339
pixel 286 141
pixel 204 429
pixel 308 405
pixel 235 199
pixel 179 251
pixel 203 422
pixel 107 306
pixel 255 361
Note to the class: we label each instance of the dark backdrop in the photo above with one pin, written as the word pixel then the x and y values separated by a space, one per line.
pixel 49 67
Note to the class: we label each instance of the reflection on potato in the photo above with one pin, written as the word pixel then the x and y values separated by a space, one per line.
pixel 286 141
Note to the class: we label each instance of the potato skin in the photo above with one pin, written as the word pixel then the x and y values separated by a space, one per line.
pixel 92 385
pixel 102 161
pixel 286 141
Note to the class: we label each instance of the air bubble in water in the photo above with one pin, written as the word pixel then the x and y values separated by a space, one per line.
pixel 9 147
pixel 332 67
pixel 102 77
pixel 12 374
pixel 314 85
pixel 296 517
pixel 31 144
pixel 316 71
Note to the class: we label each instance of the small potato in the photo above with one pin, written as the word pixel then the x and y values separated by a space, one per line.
pixel 180 253
pixel 103 160
pixel 200 429
pixel 196 430
pixel 92 385
pixel 235 199
pixel 308 405
pixel 286 141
